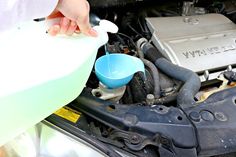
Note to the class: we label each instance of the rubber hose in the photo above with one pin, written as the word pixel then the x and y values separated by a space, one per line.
pixel 191 81
pixel 166 99
pixel 155 76
pixel 154 73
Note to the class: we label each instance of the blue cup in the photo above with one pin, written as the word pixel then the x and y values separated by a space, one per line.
pixel 116 70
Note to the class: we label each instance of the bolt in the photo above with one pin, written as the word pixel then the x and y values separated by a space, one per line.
pixel 150 99
pixel 207 115
pixel 195 116
pixel 98 94
pixel 135 139
pixel 164 141
pixel 220 116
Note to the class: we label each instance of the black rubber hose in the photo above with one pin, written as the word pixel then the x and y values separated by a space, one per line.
pixel 154 72
pixel 150 52
pixel 155 75
pixel 191 80
pixel 166 99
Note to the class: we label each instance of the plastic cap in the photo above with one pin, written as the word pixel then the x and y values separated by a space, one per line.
pixel 108 26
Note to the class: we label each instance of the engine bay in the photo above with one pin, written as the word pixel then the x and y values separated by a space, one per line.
pixel 184 104
pixel 181 44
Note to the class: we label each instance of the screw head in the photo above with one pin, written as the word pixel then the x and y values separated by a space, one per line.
pixel 220 116
pixel 135 139
pixel 195 116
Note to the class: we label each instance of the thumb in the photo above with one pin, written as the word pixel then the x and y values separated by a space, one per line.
pixel 86 28
pixel 83 22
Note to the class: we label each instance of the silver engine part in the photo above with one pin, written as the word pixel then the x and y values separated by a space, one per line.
pixel 205 44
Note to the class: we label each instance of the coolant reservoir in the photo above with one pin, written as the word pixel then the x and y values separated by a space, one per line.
pixel 41 73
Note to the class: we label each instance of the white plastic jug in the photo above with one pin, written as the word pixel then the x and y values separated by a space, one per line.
pixel 40 73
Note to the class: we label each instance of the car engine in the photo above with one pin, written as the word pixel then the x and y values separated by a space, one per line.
pixel 185 104
pixel 208 39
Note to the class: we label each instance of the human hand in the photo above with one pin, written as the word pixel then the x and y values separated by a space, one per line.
pixel 74 18
pixel 2 152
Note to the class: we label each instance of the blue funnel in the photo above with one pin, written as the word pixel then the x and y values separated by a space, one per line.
pixel 116 70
